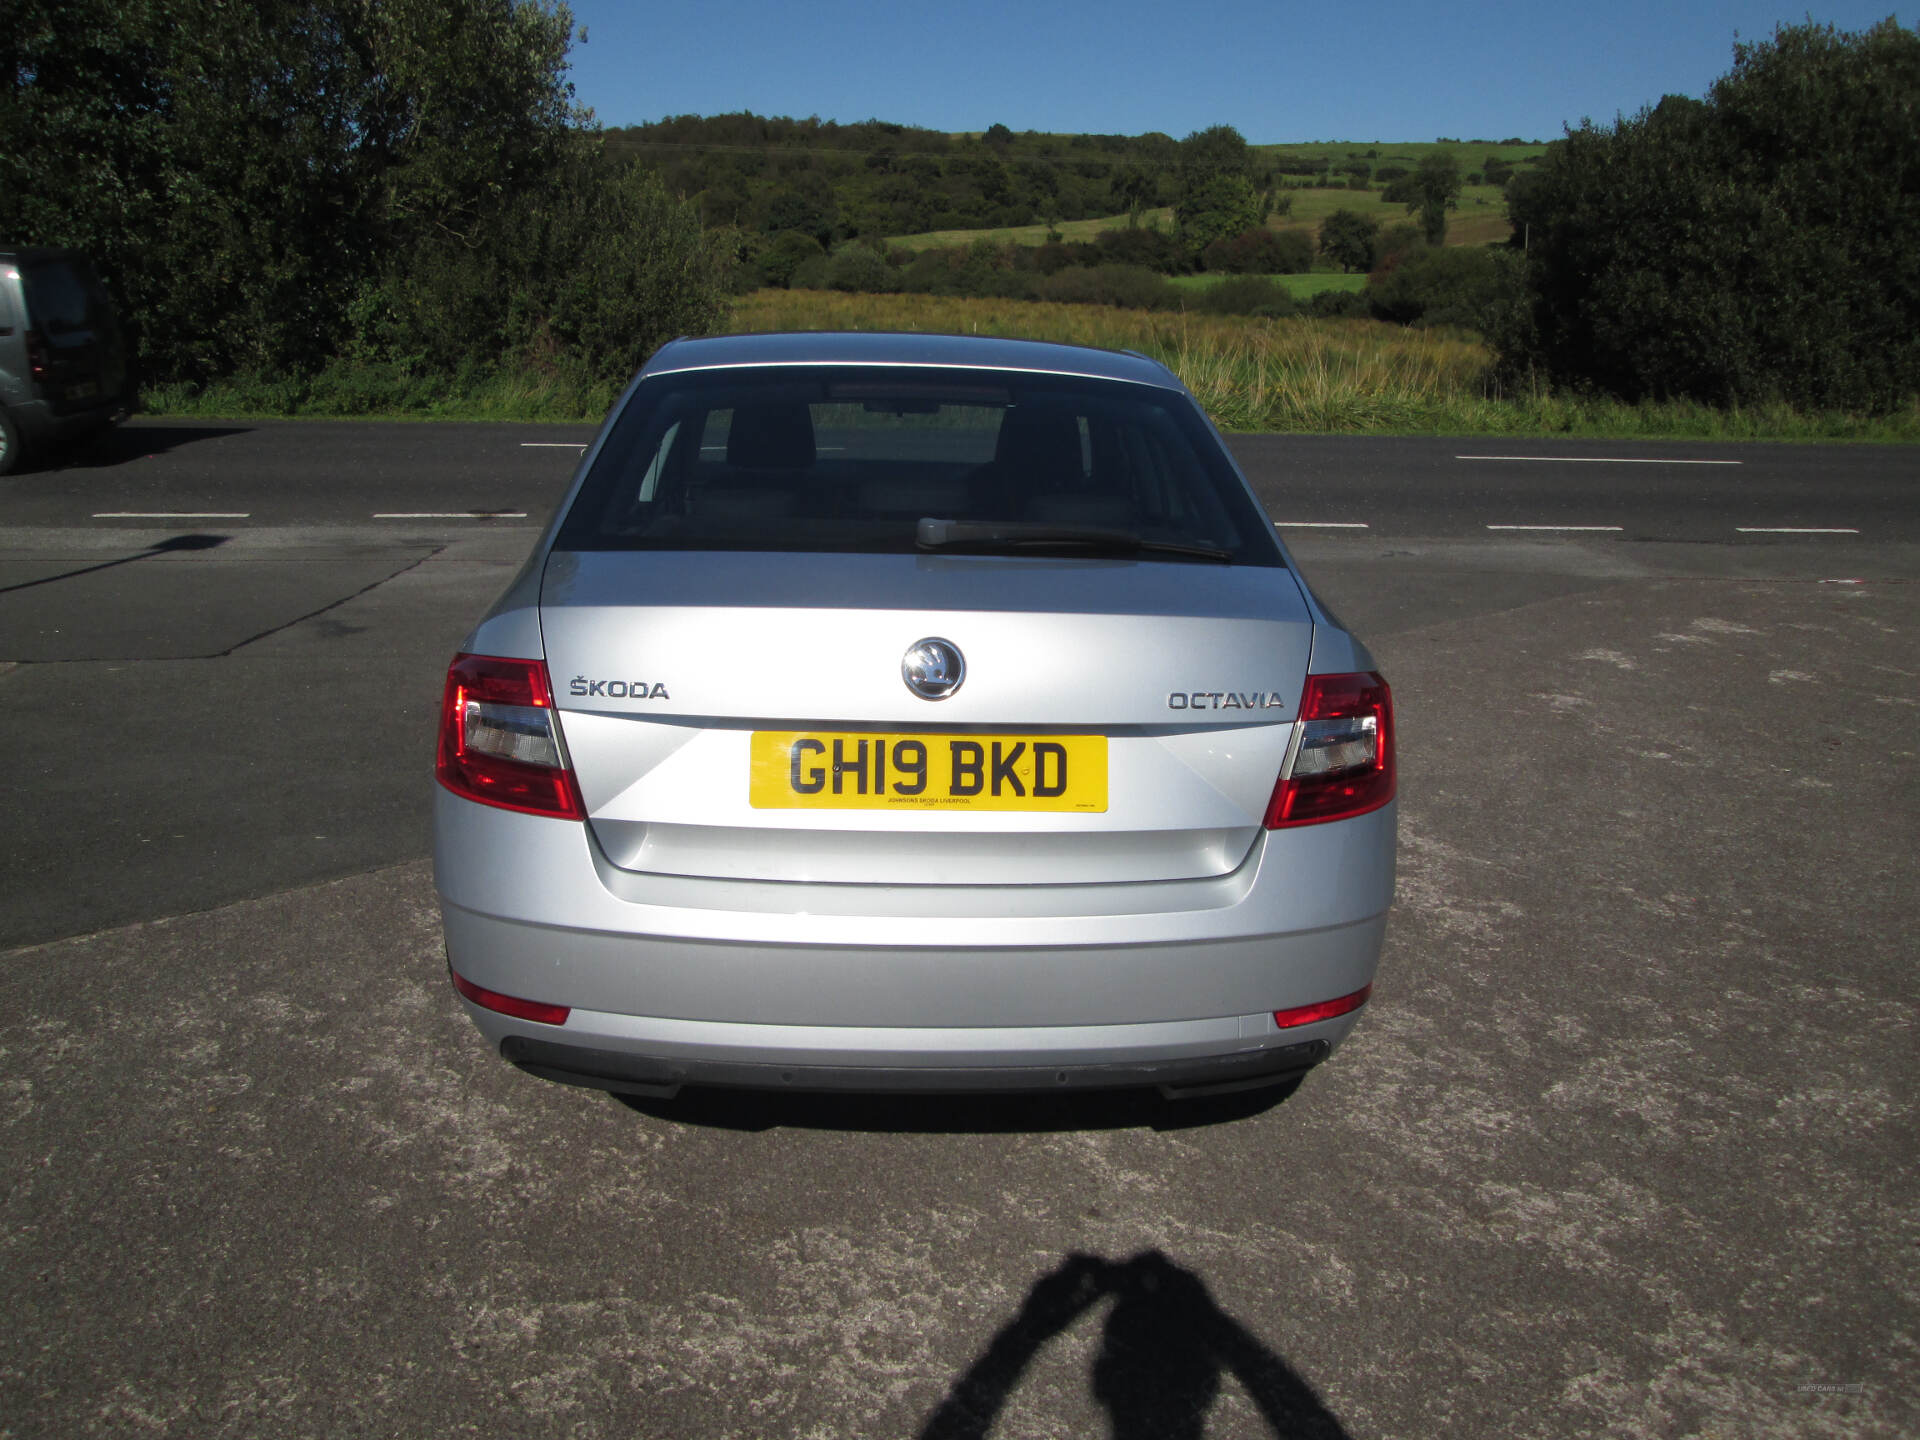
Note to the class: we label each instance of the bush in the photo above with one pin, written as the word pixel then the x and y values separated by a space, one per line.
pixel 1246 295
pixel 1053 257
pixel 1396 245
pixel 600 267
pixel 979 269
pixel 784 254
pixel 860 268
pixel 1130 287
pixel 1339 305
pixel 1154 249
pixel 810 273
pixel 1753 247
pixel 1260 252
pixel 1455 285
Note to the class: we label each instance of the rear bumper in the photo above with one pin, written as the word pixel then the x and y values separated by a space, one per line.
pixel 624 1072
pixel 672 981
pixel 40 425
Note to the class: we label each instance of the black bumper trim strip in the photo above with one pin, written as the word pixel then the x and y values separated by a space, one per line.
pixel 661 1077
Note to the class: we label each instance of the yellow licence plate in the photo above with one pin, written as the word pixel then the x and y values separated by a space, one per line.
pixel 828 770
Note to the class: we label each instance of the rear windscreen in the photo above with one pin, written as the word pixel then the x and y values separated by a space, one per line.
pixel 58 298
pixel 852 459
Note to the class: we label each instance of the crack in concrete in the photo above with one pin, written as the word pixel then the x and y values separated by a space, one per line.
pixel 367 589
pixel 238 645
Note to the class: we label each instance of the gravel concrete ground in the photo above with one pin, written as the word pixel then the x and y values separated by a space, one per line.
pixel 1624 1144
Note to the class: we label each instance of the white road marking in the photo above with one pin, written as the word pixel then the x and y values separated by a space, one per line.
pixel 1556 527
pixel 1794 530
pixel 1596 460
pixel 1319 525
pixel 449 514
pixel 170 514
pixel 554 444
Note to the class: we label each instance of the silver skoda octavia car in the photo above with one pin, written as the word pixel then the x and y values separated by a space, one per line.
pixel 912 713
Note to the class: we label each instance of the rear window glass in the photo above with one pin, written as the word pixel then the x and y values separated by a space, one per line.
pixel 816 458
pixel 58 297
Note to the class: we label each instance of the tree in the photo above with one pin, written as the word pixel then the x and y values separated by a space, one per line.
pixel 1435 189
pixel 1137 191
pixel 263 182
pixel 1214 193
pixel 1754 246
pixel 1347 238
pixel 806 203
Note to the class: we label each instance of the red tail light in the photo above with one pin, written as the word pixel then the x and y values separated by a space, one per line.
pixel 510 1004
pixel 1343 765
pixel 38 364
pixel 498 740
pixel 1323 1010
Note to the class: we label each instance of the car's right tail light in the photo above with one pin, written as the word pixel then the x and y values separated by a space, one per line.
pixel 1343 765
pixel 498 740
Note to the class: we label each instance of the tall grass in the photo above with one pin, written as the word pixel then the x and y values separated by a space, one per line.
pixel 1319 376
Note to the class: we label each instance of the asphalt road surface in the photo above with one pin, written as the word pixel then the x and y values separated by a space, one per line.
pixel 1623 1145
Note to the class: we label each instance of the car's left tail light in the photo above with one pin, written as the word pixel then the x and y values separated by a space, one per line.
pixel 499 743
pixel 1343 765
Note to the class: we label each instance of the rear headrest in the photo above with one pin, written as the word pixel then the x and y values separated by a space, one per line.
pixel 771 437
pixel 1041 447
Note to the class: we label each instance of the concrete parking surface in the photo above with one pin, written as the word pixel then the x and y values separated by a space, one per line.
pixel 1623 1144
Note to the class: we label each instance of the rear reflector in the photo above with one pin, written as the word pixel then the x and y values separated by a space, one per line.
pixel 509 1004
pixel 1325 1010
pixel 1344 763
pixel 498 740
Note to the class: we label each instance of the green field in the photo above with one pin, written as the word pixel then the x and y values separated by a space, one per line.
pixel 1480 220
pixel 1027 234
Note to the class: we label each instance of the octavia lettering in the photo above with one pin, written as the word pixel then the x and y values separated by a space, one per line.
pixel 814 770
pixel 618 689
pixel 1226 700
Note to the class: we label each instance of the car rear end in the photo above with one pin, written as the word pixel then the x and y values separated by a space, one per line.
pixel 912 715
pixel 64 357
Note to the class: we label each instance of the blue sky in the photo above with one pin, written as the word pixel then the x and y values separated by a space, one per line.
pixel 1276 71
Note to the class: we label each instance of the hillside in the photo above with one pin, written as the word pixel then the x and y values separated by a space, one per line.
pixel 879 180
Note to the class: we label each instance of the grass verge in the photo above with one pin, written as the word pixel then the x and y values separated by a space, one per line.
pixel 369 390
pixel 1305 375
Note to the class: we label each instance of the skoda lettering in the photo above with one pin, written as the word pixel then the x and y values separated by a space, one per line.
pixel 617 689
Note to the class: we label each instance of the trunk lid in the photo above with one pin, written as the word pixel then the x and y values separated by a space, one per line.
pixel 665 666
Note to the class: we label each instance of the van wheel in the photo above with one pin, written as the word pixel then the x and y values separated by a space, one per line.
pixel 10 456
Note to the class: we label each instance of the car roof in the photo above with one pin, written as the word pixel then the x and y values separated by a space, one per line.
pixel 969 352
pixel 33 254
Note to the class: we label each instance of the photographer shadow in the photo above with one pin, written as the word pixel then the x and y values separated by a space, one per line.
pixel 1165 1349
